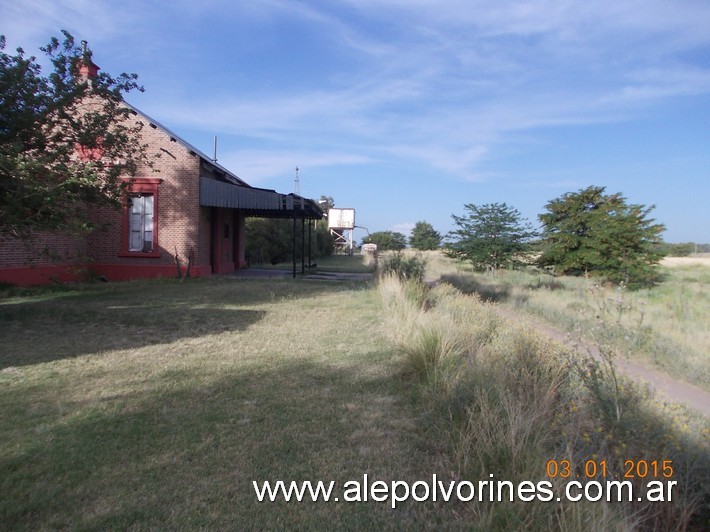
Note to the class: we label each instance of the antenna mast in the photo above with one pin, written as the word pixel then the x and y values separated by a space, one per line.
pixel 297 184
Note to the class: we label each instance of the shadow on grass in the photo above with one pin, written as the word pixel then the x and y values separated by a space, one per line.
pixel 53 325
pixel 496 293
pixel 184 456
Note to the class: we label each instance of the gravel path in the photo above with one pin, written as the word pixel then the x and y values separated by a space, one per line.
pixel 667 387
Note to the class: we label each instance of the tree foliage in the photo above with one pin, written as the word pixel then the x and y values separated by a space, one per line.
pixel 66 139
pixel 490 236
pixel 680 249
pixel 386 240
pixel 270 241
pixel 424 237
pixel 326 203
pixel 592 232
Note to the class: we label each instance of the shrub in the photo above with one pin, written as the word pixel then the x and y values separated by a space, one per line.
pixel 404 266
pixel 505 401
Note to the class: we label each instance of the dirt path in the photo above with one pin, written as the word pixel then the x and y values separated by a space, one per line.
pixel 667 387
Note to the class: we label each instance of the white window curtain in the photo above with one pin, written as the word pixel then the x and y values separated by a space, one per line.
pixel 141 223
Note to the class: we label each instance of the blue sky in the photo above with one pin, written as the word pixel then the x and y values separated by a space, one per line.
pixel 406 110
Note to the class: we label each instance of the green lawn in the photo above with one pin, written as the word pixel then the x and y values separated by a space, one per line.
pixel 333 263
pixel 156 404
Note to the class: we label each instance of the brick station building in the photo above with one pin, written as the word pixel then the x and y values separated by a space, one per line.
pixel 187 206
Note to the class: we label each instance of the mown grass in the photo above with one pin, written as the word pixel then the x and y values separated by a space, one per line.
pixel 333 263
pixel 665 326
pixel 346 264
pixel 505 401
pixel 156 404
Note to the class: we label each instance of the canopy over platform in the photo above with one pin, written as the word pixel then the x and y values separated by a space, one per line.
pixel 265 204
pixel 257 201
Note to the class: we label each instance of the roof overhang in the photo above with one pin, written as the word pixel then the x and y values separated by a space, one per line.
pixel 256 201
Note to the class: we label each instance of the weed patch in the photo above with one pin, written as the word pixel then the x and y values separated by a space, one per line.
pixel 508 401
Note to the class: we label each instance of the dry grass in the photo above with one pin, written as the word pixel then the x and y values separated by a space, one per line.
pixel 156 404
pixel 506 400
pixel 665 326
pixel 703 260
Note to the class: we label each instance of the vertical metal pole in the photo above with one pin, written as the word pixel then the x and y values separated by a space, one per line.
pixel 310 247
pixel 303 245
pixel 294 241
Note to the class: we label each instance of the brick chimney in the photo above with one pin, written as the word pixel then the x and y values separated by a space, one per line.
pixel 87 69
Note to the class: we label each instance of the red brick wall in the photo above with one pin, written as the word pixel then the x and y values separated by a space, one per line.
pixel 182 226
pixel 45 258
pixel 178 215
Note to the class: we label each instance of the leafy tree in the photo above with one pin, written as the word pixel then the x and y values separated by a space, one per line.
pixel 670 249
pixel 270 241
pixel 326 203
pixel 490 236
pixel 66 139
pixel 386 240
pixel 592 232
pixel 424 237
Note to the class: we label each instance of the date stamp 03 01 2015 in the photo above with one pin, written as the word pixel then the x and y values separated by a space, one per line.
pixel 591 469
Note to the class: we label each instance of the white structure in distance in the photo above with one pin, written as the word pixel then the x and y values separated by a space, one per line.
pixel 341 223
pixel 341 218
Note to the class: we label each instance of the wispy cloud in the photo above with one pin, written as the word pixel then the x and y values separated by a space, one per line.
pixel 260 165
pixel 448 82
pixel 440 83
pixel 405 228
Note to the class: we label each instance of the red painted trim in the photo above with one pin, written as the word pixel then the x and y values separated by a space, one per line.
pixel 127 272
pixel 225 267
pixel 37 275
pixel 140 254
pixel 72 273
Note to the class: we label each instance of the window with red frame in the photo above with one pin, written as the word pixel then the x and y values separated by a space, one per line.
pixel 140 223
pixel 140 219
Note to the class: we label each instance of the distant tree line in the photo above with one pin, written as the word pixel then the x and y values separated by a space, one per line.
pixel 270 241
pixel 588 232
pixel 386 240
pixel 682 249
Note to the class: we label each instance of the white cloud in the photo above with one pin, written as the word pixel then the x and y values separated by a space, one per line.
pixel 405 228
pixel 256 166
pixel 440 83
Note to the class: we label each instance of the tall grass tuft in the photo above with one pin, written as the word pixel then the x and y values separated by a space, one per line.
pixel 507 400
pixel 406 266
pixel 665 325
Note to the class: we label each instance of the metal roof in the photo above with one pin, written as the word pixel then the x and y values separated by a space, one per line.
pixel 187 145
pixel 235 193
pixel 256 201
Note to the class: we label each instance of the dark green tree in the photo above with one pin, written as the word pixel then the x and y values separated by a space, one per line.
pixel 490 236
pixel 386 240
pixel 66 139
pixel 670 249
pixel 424 237
pixel 270 241
pixel 326 203
pixel 592 232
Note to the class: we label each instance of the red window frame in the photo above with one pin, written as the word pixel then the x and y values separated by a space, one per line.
pixel 147 186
